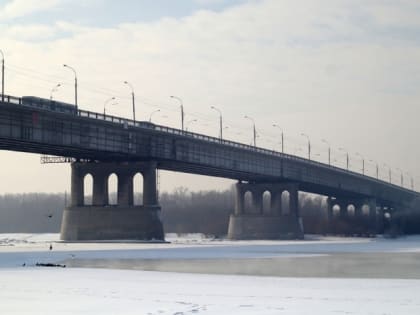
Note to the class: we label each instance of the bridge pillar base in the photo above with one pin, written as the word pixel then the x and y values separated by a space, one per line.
pixel 111 223
pixel 257 227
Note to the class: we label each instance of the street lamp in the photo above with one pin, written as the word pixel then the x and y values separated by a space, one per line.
pixel 182 110
pixel 363 162
pixel 75 83
pixel 2 75
pixel 220 121
pixel 389 173
pixel 255 132
pixel 329 150
pixel 189 122
pixel 377 168
pixel 106 102
pixel 309 145
pixel 282 137
pixel 133 98
pixel 402 177
pixel 150 117
pixel 54 89
pixel 347 156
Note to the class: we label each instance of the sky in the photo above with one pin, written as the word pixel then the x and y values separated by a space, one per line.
pixel 343 73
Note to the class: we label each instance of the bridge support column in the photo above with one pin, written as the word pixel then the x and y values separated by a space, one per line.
pixel 239 199
pixel 105 222
pixel 77 186
pixel 270 224
pixel 100 189
pixel 125 189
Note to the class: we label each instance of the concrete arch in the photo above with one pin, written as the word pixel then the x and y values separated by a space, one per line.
pixel 365 210
pixel 87 189
pixel 336 209
pixel 351 210
pixel 138 184
pixel 285 202
pixel 266 201
pixel 113 189
pixel 249 202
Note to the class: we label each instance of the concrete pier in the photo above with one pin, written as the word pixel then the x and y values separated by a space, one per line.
pixel 254 221
pixel 101 221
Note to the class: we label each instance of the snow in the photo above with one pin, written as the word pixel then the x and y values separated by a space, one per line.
pixel 43 290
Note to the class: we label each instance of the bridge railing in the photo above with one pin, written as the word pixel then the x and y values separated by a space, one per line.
pixel 143 124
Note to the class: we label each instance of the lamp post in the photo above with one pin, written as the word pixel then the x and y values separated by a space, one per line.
pixel 254 130
pixel 152 113
pixel 347 157
pixel 329 150
pixel 189 122
pixel 106 102
pixel 132 98
pixel 75 84
pixel 363 162
pixel 402 176
pixel 282 137
pixel 182 110
pixel 377 168
pixel 54 89
pixel 389 173
pixel 309 144
pixel 2 75
pixel 220 121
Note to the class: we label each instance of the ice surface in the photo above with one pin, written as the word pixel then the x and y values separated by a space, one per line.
pixel 42 290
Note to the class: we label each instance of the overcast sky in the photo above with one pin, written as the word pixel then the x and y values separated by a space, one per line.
pixel 344 71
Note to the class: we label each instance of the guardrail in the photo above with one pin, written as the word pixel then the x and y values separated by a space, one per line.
pixel 147 125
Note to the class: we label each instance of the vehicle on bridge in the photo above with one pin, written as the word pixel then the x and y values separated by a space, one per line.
pixel 48 104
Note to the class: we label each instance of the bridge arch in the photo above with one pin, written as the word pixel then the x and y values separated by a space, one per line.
pixel 249 202
pixel 285 202
pixel 138 184
pixel 336 209
pixel 113 189
pixel 266 201
pixel 351 210
pixel 87 189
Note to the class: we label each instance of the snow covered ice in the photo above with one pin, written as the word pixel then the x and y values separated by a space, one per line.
pixel 42 290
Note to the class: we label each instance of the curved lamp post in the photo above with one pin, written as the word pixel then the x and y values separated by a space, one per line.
pixel 282 137
pixel 182 110
pixel 75 84
pixel 309 144
pixel 220 121
pixel 389 172
pixel 377 168
pixel 189 123
pixel 106 102
pixel 329 150
pixel 402 176
pixel 255 131
pixel 132 98
pixel 347 156
pixel 152 113
pixel 54 89
pixel 363 162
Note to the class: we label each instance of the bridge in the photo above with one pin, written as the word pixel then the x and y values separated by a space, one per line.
pixel 102 145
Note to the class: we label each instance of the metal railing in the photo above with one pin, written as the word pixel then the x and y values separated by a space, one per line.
pixel 164 129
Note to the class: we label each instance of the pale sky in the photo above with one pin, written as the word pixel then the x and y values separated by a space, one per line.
pixel 344 71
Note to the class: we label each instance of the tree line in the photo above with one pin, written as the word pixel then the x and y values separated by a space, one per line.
pixel 183 211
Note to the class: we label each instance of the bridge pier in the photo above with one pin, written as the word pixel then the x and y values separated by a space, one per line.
pixel 101 221
pixel 365 219
pixel 258 222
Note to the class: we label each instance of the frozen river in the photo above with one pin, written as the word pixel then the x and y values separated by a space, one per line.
pixel 192 275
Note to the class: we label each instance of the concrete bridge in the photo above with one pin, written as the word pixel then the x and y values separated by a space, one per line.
pixel 103 145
